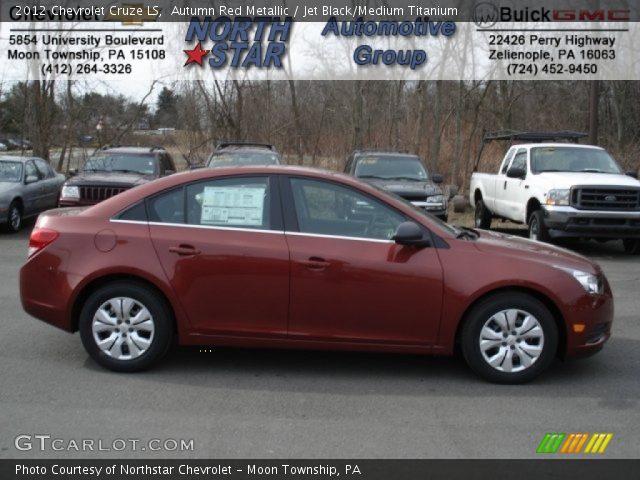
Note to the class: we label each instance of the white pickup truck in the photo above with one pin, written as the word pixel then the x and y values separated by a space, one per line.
pixel 560 190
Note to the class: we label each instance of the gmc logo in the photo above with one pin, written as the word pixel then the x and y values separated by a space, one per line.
pixel 592 15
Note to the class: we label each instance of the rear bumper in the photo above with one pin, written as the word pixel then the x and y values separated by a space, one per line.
pixel 567 222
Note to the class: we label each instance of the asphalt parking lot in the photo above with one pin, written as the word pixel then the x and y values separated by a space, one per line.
pixel 285 404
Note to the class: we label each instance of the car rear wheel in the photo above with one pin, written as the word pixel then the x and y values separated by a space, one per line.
pixel 125 326
pixel 631 246
pixel 509 338
pixel 482 216
pixel 537 229
pixel 14 217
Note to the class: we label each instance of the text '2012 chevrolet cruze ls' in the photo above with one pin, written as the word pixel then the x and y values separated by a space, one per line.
pixel 299 258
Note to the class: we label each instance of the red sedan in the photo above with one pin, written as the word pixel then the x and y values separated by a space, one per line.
pixel 301 258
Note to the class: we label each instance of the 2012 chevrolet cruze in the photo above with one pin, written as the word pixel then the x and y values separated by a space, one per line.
pixel 301 258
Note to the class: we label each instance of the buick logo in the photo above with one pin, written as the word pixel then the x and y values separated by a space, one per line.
pixel 485 15
pixel 610 198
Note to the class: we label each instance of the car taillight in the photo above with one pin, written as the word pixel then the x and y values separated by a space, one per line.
pixel 40 238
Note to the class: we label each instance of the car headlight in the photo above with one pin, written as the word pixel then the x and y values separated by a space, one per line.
pixel 70 191
pixel 558 197
pixel 435 200
pixel 593 284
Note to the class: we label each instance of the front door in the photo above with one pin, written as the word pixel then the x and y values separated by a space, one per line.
pixel 222 247
pixel 349 281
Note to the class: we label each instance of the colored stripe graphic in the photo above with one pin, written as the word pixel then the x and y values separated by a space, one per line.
pixel 551 442
pixel 598 443
pixel 572 443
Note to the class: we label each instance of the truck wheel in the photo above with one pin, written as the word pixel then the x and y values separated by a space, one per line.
pixel 509 338
pixel 125 326
pixel 631 246
pixel 482 216
pixel 537 229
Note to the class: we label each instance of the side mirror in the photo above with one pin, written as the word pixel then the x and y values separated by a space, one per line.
pixel 516 172
pixel 30 179
pixel 411 234
pixel 73 172
pixel 632 174
pixel 437 178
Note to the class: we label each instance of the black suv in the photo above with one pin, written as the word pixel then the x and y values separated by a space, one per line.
pixel 402 174
pixel 237 154
pixel 112 170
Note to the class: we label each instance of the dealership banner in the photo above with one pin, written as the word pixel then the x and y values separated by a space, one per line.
pixel 313 469
pixel 314 40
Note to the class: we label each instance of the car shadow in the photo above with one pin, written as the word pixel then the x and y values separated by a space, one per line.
pixel 610 376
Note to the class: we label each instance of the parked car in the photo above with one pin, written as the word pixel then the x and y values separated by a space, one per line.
pixel 300 258
pixel 236 154
pixel 560 190
pixel 28 186
pixel 112 170
pixel 403 174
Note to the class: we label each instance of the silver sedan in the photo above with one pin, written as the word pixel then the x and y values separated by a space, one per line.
pixel 28 186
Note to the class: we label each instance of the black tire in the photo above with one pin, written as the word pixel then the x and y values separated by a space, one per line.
pixel 482 216
pixel 631 246
pixel 14 217
pixel 480 316
pixel 537 229
pixel 159 340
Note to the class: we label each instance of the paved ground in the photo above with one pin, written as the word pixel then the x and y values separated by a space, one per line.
pixel 266 404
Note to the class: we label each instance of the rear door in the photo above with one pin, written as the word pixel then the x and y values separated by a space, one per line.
pixel 222 247
pixel 349 281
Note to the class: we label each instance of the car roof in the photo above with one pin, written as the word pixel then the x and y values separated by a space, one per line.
pixel 16 158
pixel 556 145
pixel 386 153
pixel 245 146
pixel 133 150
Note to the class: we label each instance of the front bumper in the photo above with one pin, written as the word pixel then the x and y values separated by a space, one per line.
pixel 569 222
pixel 439 211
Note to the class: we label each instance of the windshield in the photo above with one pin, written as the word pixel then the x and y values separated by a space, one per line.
pixel 389 167
pixel 10 171
pixel 121 162
pixel 240 158
pixel 572 159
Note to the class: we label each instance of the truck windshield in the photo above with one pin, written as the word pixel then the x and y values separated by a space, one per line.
pixel 390 167
pixel 572 159
pixel 118 162
pixel 239 158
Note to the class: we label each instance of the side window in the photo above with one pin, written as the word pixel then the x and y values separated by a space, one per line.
pixel 520 160
pixel 241 202
pixel 329 209
pixel 167 207
pixel 507 160
pixel 136 213
pixel 30 170
pixel 43 168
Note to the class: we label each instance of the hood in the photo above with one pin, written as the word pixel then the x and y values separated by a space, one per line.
pixel 8 186
pixel 566 180
pixel 109 178
pixel 511 245
pixel 407 188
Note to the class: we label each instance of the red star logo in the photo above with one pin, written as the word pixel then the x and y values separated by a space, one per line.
pixel 195 55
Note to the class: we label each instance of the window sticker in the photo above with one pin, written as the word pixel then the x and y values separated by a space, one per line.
pixel 233 206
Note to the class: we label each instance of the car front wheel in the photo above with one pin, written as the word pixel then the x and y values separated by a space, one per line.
pixel 14 217
pixel 537 229
pixel 509 338
pixel 125 326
